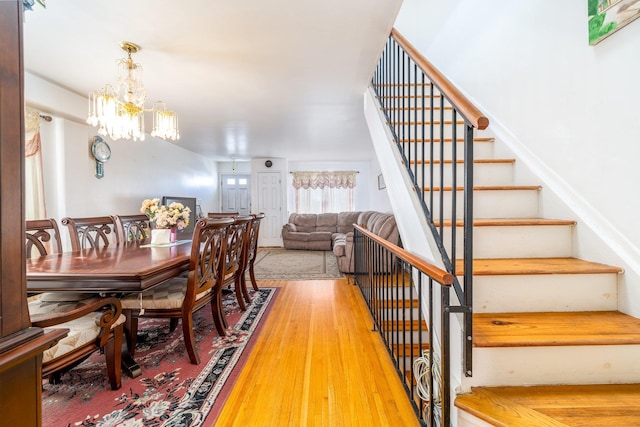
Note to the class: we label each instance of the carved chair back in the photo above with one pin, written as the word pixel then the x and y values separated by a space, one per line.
pixel 223 214
pixel 133 228
pixel 207 261
pixel 91 232
pixel 42 237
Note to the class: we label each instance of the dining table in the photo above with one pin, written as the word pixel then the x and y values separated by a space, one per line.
pixel 112 270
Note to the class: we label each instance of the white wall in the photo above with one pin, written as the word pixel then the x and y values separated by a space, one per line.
pixel 566 109
pixel 136 170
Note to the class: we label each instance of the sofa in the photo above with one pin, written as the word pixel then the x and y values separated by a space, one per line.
pixel 334 232
pixel 316 231
pixel 381 224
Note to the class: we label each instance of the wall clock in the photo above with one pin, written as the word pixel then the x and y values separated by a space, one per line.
pixel 101 153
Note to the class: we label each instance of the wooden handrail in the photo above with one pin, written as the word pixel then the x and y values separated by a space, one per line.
pixel 462 104
pixel 437 274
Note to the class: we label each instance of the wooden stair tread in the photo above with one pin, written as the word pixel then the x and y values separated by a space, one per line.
pixel 405 325
pixel 522 266
pixel 572 405
pixel 425 123
pixel 422 140
pixel 461 161
pixel 400 303
pixel 555 329
pixel 419 108
pixel 491 222
pixel 489 188
pixel 499 411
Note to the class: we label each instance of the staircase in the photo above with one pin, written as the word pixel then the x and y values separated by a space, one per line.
pixel 549 345
pixel 541 316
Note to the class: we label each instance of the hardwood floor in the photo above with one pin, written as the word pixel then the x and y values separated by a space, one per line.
pixel 318 363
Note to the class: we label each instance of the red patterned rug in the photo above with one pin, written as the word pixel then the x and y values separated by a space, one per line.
pixel 171 391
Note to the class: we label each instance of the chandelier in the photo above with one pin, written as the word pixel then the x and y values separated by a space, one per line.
pixel 119 111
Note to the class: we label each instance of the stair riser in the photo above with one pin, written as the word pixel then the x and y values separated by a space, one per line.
pixel 412 114
pixel 492 204
pixel 401 337
pixel 408 313
pixel 407 129
pixel 483 173
pixel 466 419
pixel 555 365
pixel 482 150
pixel 539 241
pixel 545 292
pixel 410 89
pixel 408 100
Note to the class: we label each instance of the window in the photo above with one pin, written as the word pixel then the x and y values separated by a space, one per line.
pixel 320 192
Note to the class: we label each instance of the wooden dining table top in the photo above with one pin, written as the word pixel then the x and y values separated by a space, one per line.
pixel 116 268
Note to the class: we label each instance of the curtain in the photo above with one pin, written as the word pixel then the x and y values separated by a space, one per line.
pixel 33 175
pixel 331 179
pixel 320 192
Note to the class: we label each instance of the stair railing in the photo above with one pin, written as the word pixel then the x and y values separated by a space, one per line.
pixel 395 285
pixel 429 118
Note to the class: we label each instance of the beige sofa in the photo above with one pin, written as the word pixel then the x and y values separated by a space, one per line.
pixel 381 224
pixel 334 231
pixel 316 231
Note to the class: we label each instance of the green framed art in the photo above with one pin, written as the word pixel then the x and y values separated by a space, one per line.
pixel 608 16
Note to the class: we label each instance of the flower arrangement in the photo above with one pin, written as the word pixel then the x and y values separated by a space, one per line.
pixel 174 215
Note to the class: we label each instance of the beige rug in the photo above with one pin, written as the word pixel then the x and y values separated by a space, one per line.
pixel 283 264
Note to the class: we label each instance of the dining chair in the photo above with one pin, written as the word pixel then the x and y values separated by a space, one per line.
pixel 253 250
pixel 237 244
pixel 133 228
pixel 94 323
pixel 179 298
pixel 91 232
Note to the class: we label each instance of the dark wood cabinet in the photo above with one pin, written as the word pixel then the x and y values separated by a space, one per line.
pixel 21 345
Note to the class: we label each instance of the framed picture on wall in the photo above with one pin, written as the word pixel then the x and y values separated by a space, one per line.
pixel 608 16
pixel 190 202
pixel 381 184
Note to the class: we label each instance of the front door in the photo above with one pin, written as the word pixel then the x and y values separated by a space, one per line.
pixel 270 203
pixel 236 194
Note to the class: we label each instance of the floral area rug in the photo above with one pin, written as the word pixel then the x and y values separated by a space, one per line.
pixel 284 264
pixel 171 391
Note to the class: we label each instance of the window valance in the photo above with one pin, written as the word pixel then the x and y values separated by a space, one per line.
pixel 324 179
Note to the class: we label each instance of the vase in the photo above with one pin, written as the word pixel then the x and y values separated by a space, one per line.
pixel 173 235
pixel 160 236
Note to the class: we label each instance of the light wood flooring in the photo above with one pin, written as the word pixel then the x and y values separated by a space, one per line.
pixel 318 363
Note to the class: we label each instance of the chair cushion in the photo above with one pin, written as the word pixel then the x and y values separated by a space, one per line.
pixel 81 332
pixel 65 296
pixel 168 295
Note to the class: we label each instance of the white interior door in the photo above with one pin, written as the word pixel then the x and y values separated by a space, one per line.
pixel 236 194
pixel 270 203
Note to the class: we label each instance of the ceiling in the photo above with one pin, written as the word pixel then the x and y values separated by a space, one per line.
pixel 248 79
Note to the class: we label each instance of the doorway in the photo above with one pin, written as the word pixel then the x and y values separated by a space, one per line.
pixel 270 203
pixel 236 194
